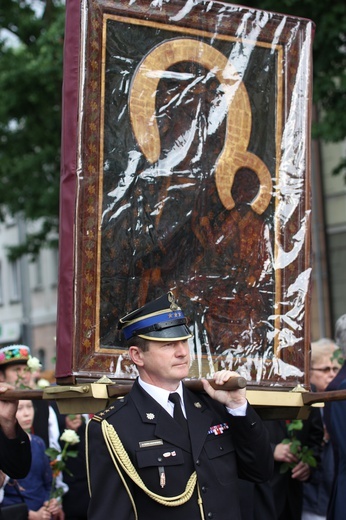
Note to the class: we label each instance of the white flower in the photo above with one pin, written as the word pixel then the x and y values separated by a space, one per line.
pixel 43 383
pixel 70 436
pixel 33 364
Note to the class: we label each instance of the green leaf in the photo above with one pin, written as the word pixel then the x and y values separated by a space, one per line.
pixel 73 454
pixel 284 467
pixel 57 493
pixel 295 425
pixel 295 446
pixel 309 458
pixel 59 465
pixel 52 453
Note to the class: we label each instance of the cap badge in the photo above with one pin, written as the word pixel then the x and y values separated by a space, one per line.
pixel 173 306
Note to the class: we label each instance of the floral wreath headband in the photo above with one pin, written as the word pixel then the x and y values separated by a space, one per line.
pixel 14 354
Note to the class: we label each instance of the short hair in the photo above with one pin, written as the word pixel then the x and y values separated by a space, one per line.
pixel 321 348
pixel 340 333
pixel 136 341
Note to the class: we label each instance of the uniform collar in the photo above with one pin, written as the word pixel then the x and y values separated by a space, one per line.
pixel 160 394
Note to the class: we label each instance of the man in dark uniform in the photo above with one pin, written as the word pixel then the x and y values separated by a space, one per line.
pixel 143 461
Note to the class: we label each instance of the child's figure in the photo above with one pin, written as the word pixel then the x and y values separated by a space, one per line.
pixel 36 486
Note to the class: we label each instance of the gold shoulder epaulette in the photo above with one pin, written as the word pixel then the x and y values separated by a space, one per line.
pixel 100 416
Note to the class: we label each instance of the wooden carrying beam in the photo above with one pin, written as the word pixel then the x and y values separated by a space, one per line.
pixel 110 388
pixel 92 397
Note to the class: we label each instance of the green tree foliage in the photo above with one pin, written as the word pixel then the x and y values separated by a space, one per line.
pixel 30 113
pixel 30 101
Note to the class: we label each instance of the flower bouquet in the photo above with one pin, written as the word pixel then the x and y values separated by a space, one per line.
pixel 58 459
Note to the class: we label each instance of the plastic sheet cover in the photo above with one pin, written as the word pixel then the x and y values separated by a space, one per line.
pixel 186 143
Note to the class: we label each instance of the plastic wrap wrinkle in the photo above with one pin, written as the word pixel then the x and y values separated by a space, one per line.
pixel 192 177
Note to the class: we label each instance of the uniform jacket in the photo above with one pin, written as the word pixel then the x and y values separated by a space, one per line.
pixel 237 447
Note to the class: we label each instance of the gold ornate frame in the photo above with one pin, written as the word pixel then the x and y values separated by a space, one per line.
pixel 185 41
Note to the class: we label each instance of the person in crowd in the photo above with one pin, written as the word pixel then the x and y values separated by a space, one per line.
pixel 303 490
pixel 335 419
pixel 15 451
pixel 317 490
pixel 164 451
pixel 281 498
pixel 35 488
pixel 15 371
pixel 287 488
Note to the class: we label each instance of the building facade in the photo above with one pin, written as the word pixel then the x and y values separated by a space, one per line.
pixel 28 296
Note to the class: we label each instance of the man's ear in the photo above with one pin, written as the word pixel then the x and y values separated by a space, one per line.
pixel 136 355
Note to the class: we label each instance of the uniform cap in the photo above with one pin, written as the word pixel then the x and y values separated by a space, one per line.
pixel 159 320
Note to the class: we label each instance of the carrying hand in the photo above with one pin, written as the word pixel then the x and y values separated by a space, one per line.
pixel 8 410
pixel 230 398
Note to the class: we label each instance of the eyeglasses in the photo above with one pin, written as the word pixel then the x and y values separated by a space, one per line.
pixel 325 370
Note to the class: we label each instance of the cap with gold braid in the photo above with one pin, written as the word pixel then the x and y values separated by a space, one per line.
pixel 159 320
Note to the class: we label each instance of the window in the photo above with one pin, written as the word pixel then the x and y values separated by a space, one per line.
pixel 15 281
pixel 38 274
pixel 41 354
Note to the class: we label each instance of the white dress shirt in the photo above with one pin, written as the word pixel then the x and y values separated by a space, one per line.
pixel 161 396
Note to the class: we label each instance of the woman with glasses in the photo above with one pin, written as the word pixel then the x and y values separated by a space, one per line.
pixel 324 364
pixel 317 491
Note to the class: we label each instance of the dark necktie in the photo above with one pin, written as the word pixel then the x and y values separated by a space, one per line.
pixel 178 412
